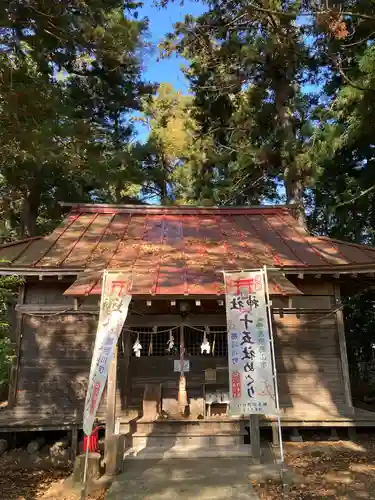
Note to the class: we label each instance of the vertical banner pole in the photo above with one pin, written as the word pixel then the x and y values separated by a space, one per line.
pixel 92 367
pixel 274 364
pixel 83 490
pixel 114 307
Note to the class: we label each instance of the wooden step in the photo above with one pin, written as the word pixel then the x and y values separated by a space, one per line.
pixel 183 451
pixel 198 441
pixel 193 427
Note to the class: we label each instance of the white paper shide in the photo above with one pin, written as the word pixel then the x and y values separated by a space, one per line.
pixel 251 381
pixel 114 305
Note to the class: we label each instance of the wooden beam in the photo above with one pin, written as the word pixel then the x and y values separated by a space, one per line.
pixel 175 319
pixel 37 428
pixel 12 396
pixel 343 351
pixel 36 271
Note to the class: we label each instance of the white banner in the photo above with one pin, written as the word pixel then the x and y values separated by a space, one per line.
pixel 251 382
pixel 114 305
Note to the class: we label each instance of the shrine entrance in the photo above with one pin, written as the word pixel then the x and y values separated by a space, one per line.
pixel 156 360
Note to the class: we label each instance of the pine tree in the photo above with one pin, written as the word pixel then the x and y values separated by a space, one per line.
pixel 165 158
pixel 246 70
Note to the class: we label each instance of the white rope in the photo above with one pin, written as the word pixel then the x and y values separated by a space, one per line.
pixel 132 330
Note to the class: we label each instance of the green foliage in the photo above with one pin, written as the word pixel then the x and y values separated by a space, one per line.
pixel 166 158
pixel 343 203
pixel 70 77
pixel 246 70
pixel 8 292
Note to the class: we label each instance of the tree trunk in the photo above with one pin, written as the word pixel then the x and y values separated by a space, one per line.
pixel 163 186
pixel 294 193
pixel 292 177
pixel 118 191
pixel 29 212
pixel 10 218
pixel 284 77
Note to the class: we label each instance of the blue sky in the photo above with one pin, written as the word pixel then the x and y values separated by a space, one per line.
pixel 161 22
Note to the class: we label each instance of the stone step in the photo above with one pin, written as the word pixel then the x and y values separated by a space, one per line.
pixel 183 451
pixel 198 441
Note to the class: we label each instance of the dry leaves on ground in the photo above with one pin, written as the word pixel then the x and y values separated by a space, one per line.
pixel 25 484
pixel 19 484
pixel 328 471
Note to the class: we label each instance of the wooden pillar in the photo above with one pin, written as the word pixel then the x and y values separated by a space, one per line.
pixel 74 443
pixel 111 459
pixel 182 394
pixel 12 397
pixel 343 351
pixel 111 397
pixel 275 434
pixel 125 382
pixel 255 437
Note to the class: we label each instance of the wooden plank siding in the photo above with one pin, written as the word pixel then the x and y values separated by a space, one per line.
pixel 308 364
pixel 54 365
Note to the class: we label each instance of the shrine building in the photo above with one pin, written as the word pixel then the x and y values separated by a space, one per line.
pixel 176 257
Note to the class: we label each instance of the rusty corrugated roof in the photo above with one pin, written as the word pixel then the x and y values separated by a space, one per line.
pixel 179 250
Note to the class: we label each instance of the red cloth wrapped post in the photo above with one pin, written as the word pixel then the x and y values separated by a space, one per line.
pixel 93 440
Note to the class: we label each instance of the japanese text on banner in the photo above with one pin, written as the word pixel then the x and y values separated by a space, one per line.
pixel 251 380
pixel 114 307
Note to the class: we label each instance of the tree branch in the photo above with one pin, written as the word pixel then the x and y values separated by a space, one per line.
pixel 363 193
pixel 307 14
pixel 349 81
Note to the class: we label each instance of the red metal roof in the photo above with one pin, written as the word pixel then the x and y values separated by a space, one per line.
pixel 178 250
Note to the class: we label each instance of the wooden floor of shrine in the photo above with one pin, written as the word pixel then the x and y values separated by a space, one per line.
pixel 16 420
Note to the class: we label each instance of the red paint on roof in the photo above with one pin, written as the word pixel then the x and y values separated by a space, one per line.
pixel 179 250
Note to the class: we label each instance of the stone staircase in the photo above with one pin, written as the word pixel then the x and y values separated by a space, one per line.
pixel 188 439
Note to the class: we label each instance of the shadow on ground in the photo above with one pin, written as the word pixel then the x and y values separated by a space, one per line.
pixel 204 479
